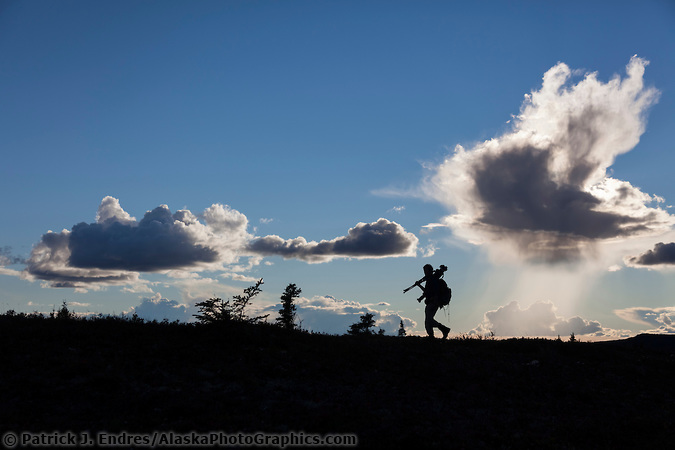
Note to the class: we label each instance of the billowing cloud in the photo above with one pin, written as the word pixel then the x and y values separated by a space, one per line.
pixel 543 187
pixel 116 248
pixel 661 320
pixel 159 308
pixel 366 240
pixel 50 261
pixel 662 254
pixel 326 314
pixel 160 241
pixel 539 319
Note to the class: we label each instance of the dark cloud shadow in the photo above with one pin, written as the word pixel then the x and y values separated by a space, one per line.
pixel 159 241
pixel 661 254
pixel 366 240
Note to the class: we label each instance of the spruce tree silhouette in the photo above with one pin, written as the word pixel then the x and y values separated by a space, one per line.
pixel 62 313
pixel 401 329
pixel 364 326
pixel 287 312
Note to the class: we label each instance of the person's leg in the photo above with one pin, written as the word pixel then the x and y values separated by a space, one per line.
pixel 445 330
pixel 430 322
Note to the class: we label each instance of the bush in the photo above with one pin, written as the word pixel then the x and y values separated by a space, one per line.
pixel 215 310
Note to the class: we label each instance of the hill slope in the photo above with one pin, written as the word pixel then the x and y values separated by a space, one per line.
pixel 113 375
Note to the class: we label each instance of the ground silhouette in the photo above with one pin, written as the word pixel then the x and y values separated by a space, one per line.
pixel 123 375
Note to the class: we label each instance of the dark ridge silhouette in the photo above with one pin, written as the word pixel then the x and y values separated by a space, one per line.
pixel 113 374
pixel 658 342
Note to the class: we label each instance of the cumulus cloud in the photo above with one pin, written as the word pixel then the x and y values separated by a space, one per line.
pixel 379 239
pixel 160 241
pixel 159 308
pixel 540 319
pixel 543 187
pixel 115 248
pixel 662 320
pixel 662 254
pixel 110 211
pixel 50 261
pixel 326 314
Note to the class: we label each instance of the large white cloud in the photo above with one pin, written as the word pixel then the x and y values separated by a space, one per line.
pixel 160 308
pixel 543 187
pixel 540 320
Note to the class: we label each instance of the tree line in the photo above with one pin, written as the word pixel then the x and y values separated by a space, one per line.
pixel 217 310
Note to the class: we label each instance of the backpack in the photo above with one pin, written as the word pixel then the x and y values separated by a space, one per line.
pixel 444 293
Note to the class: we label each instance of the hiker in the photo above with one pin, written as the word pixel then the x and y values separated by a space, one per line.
pixel 432 300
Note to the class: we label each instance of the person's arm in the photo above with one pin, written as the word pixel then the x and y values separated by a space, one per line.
pixel 424 291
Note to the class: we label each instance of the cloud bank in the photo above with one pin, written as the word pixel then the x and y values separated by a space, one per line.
pixel 327 314
pixel 662 254
pixel 540 319
pixel 662 320
pixel 159 308
pixel 116 248
pixel 324 314
pixel 543 187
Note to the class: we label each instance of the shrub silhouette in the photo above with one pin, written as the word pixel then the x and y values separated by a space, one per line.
pixel 217 310
pixel 287 313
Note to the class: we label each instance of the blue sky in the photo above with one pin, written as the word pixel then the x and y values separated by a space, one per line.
pixel 310 119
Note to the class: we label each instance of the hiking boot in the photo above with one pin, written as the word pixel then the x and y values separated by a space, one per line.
pixel 445 331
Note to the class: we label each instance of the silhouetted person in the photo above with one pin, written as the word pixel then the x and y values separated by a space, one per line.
pixel 431 294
